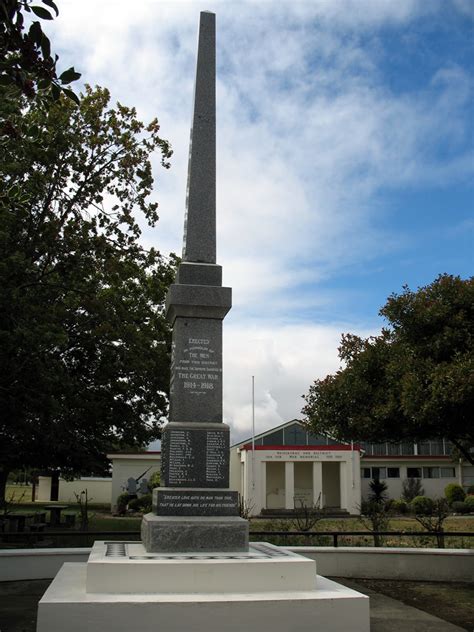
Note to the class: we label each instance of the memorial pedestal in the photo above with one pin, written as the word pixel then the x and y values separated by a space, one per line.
pixel 123 588
pixel 194 533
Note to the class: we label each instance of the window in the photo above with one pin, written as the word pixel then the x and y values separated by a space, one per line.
pixel 447 472
pixel 408 449
pixel 413 472
pixel 274 438
pixel 393 472
pixel 295 435
pixel 317 439
pixel 393 449
pixel 366 472
pixel 431 472
pixel 379 472
pixel 436 447
pixel 424 448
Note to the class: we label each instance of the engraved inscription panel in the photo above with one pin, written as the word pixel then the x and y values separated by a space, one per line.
pixel 195 458
pixel 195 503
pixel 196 371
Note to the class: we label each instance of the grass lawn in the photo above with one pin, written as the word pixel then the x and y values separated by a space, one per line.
pixel 18 493
pixel 100 519
pixel 452 602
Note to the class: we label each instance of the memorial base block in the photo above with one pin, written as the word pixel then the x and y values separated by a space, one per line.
pixel 172 534
pixel 266 589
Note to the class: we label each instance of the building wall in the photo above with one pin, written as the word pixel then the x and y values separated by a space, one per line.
pixel 126 466
pixel 433 487
pixel 266 487
pixel 99 490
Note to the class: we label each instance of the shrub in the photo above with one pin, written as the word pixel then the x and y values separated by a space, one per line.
pixel 411 488
pixel 122 502
pixel 154 481
pixel 470 489
pixel 454 493
pixel 470 503
pixel 421 505
pixel 378 491
pixel 460 507
pixel 399 506
pixel 431 514
pixel 143 503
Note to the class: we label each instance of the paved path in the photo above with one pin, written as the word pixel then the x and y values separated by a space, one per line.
pixel 19 601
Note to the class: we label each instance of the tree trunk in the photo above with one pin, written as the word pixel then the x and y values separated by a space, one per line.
pixel 440 539
pixel 3 484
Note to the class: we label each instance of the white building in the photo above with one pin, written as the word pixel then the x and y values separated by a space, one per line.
pixel 290 467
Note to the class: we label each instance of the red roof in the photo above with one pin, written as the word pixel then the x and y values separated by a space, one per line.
pixel 333 448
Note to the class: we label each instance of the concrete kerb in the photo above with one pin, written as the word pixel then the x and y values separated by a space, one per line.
pixel 448 565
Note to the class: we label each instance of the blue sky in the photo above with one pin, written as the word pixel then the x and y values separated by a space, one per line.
pixel 345 162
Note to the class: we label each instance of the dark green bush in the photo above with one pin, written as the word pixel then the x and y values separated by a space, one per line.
pixel 154 481
pixel 454 493
pixel 421 505
pixel 122 502
pixel 460 507
pixel 470 503
pixel 399 506
pixel 470 489
pixel 143 503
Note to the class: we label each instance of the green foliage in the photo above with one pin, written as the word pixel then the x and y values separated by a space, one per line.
pixel 142 503
pixel 122 502
pixel 454 493
pixel 469 502
pixel 378 490
pixel 470 489
pixel 461 507
pixel 421 505
pixel 84 344
pixel 414 380
pixel 375 516
pixel 431 514
pixel 154 481
pixel 412 487
pixel 399 506
pixel 26 61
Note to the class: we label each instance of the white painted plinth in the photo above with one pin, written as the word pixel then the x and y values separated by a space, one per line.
pixel 328 608
pixel 129 568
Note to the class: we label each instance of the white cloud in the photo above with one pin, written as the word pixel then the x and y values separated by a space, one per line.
pixel 285 360
pixel 308 134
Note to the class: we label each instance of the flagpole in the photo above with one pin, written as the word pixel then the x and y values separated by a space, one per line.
pixel 253 432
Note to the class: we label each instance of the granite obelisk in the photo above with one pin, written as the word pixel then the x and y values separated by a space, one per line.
pixel 194 510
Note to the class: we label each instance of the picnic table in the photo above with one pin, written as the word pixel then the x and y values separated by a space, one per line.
pixel 55 512
pixel 18 520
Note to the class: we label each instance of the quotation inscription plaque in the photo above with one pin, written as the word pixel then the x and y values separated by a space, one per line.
pixel 195 503
pixel 195 458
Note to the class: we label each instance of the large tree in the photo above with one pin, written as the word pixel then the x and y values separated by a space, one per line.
pixel 84 345
pixel 414 381
pixel 26 60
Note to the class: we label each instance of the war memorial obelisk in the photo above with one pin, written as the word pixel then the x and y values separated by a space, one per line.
pixel 194 569
pixel 193 509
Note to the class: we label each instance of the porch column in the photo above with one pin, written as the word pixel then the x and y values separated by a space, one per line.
pixel 343 484
pixel 318 483
pixel 289 485
pixel 263 486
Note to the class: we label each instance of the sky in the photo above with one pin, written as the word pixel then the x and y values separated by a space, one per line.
pixel 344 162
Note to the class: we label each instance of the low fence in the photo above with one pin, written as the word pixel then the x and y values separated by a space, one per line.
pixel 463 539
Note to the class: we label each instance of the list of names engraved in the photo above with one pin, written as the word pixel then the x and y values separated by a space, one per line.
pixel 181 458
pixel 216 463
